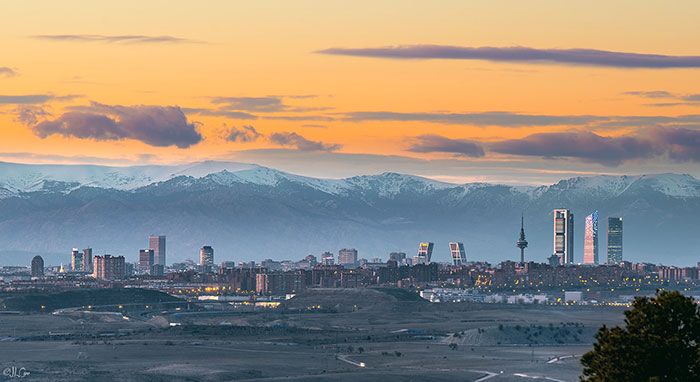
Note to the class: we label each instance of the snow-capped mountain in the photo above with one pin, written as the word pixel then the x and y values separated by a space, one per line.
pixel 252 212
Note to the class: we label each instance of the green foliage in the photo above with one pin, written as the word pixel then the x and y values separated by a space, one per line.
pixel 658 343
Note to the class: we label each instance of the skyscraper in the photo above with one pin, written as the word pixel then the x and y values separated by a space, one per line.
pixel 347 257
pixel 521 242
pixel 76 261
pixel 146 261
pixel 206 258
pixel 87 259
pixel 564 235
pixel 459 255
pixel 614 240
pixel 425 253
pixel 37 266
pixel 157 244
pixel 590 243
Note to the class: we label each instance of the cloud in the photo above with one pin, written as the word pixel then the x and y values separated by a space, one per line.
pixel 679 99
pixel 246 133
pixel 255 104
pixel 591 57
pixel 119 39
pixel 591 147
pixel 154 125
pixel 651 94
pixel 301 143
pixel 436 143
pixel 31 114
pixel 678 144
pixel 7 72
pixel 34 98
pixel 477 119
pixel 267 104
pixel 218 113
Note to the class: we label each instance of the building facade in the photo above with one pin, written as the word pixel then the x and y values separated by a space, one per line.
pixel 564 235
pixel 108 267
pixel 590 239
pixel 425 253
pixel 347 257
pixel 146 261
pixel 614 248
pixel 76 261
pixel 157 244
pixel 37 266
pixel 206 258
pixel 458 254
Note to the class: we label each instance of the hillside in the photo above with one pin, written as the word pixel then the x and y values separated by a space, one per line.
pixel 249 212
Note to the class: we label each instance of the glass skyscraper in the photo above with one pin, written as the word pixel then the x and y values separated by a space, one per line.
pixel 614 240
pixel 590 244
pixel 564 235
pixel 459 255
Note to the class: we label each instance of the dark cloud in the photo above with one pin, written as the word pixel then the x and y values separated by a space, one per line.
pixel 7 72
pixel 610 151
pixel 30 115
pixel 301 143
pixel 477 119
pixel 678 144
pixel 246 133
pixel 590 57
pixel 153 125
pixel 439 144
pixel 125 39
pixel 34 98
pixel 692 98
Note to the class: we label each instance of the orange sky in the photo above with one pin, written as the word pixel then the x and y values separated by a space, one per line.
pixel 270 49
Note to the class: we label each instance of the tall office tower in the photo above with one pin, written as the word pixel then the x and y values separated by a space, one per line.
pixel 108 267
pixel 459 255
pixel 327 258
pixel 76 261
pixel 146 261
pixel 425 253
pixel 399 257
pixel 157 244
pixel 37 266
pixel 521 242
pixel 564 235
pixel 614 240
pixel 590 243
pixel 206 258
pixel 347 257
pixel 87 259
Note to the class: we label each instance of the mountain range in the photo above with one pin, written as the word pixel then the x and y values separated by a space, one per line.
pixel 250 212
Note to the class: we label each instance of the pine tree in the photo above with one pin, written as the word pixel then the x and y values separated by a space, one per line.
pixel 659 343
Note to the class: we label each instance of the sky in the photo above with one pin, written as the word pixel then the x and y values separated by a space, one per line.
pixel 512 91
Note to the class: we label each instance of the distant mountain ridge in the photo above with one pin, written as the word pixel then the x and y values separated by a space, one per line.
pixel 248 211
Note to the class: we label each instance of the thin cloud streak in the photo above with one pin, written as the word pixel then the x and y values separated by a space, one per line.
pixel 34 98
pixel 117 39
pixel 588 57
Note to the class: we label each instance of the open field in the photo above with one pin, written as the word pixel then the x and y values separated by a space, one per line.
pixel 395 341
